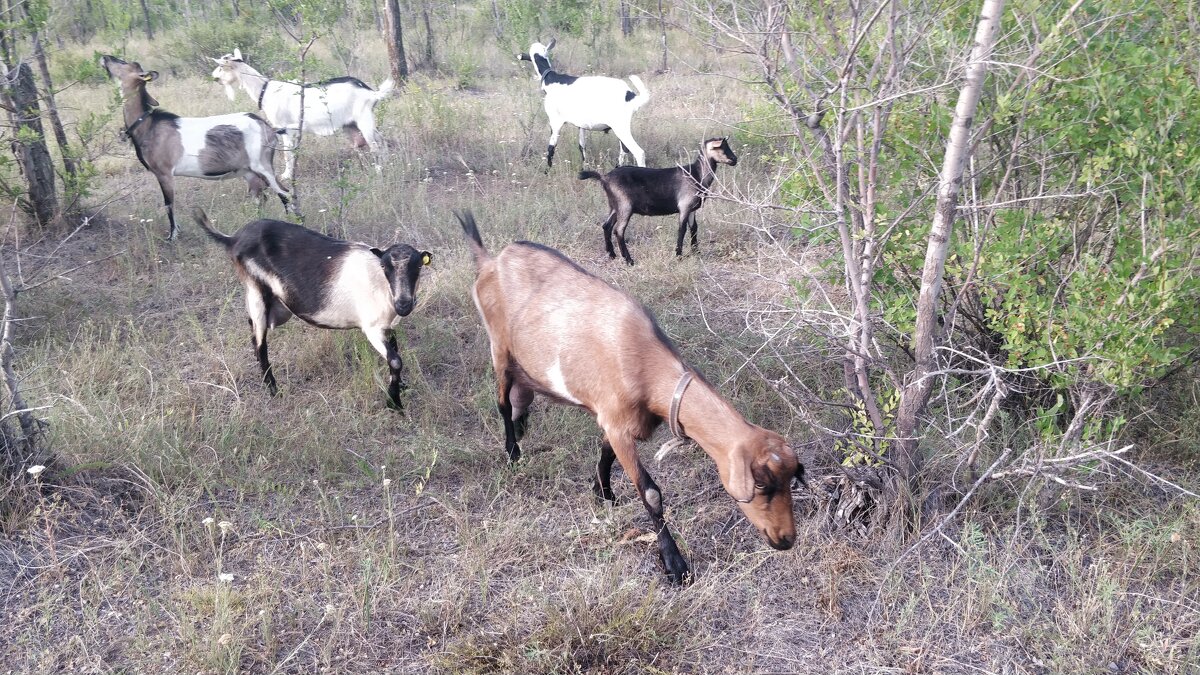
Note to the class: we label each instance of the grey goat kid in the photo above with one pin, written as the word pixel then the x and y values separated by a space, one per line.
pixel 660 192
pixel 327 282
pixel 223 146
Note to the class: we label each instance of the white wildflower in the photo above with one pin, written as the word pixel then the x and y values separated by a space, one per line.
pixel 35 470
pixel 226 577
pixel 225 526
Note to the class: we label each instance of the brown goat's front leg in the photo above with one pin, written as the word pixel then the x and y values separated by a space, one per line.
pixel 676 567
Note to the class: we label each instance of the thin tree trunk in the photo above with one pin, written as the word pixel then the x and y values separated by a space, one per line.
pixel 428 34
pixel 60 134
pixel 394 37
pixel 662 29
pixel 29 425
pixel 920 383
pixel 21 97
pixel 626 22
pixel 146 13
pixel 496 18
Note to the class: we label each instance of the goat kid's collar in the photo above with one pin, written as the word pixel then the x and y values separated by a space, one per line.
pixel 263 92
pixel 678 438
pixel 129 129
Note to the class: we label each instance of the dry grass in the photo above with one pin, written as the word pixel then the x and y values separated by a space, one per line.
pixel 360 540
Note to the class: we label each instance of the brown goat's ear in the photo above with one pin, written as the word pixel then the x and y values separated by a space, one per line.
pixel 426 257
pixel 377 251
pixel 800 473
pixel 740 481
pixel 150 76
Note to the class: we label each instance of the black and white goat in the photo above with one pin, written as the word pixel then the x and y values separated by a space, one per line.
pixel 223 146
pixel 660 192
pixel 340 104
pixel 329 283
pixel 592 103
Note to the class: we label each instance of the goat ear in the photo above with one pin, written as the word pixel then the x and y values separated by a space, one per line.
pixel 740 480
pixel 237 53
pixel 377 251
pixel 552 43
pixel 150 76
pixel 426 257
pixel 800 473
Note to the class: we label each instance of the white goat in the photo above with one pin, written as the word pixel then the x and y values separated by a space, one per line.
pixel 594 103
pixel 340 104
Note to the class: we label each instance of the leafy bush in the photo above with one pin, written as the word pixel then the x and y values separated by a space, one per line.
pixel 66 67
pixel 265 50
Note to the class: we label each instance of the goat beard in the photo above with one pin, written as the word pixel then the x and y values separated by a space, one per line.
pixel 230 93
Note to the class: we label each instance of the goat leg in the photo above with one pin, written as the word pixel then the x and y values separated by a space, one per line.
pixel 395 365
pixel 602 481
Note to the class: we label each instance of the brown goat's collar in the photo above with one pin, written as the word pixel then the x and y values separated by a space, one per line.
pixel 673 416
pixel 263 92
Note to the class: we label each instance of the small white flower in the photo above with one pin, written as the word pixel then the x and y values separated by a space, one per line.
pixel 321 210
pixel 226 577
pixel 225 526
pixel 208 522
pixel 387 482
pixel 35 470
pixel 322 547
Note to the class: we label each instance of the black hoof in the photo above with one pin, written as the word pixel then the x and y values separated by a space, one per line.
pixel 604 493
pixel 677 570
pixel 514 454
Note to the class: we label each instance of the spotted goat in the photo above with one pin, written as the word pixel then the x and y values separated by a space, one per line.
pixel 560 332
pixel 214 148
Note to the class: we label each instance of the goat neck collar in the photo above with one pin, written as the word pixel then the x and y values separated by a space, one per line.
pixel 263 92
pixel 676 399
pixel 129 129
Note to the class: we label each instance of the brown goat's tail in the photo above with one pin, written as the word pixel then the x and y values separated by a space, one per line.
pixel 467 220
pixel 584 175
pixel 202 220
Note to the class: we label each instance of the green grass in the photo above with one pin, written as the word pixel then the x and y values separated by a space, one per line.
pixel 158 420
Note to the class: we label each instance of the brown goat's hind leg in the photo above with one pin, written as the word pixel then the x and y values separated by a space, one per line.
pixel 694 226
pixel 676 567
pixel 683 225
pixel 602 482
pixel 621 237
pixel 504 386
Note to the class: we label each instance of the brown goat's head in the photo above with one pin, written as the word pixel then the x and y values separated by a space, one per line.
pixel 130 77
pixel 718 150
pixel 758 474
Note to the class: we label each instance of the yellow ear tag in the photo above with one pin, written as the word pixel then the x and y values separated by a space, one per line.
pixel 425 259
pixel 146 77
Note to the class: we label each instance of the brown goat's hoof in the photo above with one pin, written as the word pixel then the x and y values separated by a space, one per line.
pixel 678 572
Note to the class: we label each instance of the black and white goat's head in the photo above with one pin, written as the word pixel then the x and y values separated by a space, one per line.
pixel 226 71
pixel 402 266
pixel 539 55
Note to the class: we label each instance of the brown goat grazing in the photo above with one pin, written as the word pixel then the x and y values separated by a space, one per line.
pixel 214 148
pixel 660 192
pixel 558 331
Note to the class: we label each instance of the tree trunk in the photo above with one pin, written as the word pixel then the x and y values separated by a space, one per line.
pixel 29 424
pixel 428 34
pixel 146 13
pixel 60 134
pixel 394 37
pixel 496 19
pixel 662 29
pixel 29 142
pixel 626 22
pixel 920 382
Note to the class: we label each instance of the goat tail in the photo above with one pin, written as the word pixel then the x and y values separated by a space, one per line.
pixel 202 220
pixel 385 89
pixel 643 94
pixel 585 175
pixel 467 220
